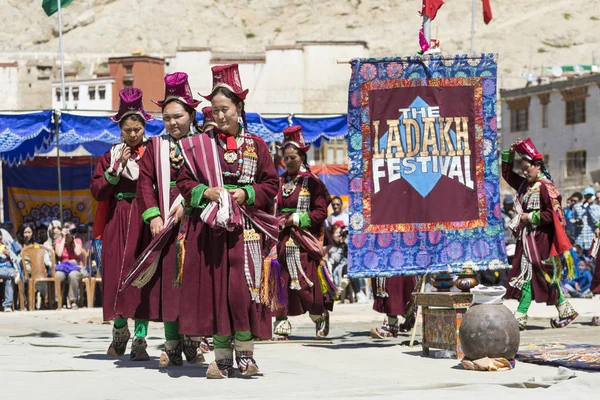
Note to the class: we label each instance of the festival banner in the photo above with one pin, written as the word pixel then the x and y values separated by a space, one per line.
pixel 423 173
pixel 31 191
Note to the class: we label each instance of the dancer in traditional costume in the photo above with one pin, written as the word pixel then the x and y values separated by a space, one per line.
pixel 113 186
pixel 302 202
pixel 230 181
pixel 544 254
pixel 393 297
pixel 161 207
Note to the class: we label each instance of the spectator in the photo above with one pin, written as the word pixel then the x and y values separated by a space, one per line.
pixel 9 274
pixel 25 237
pixel 597 199
pixel 41 234
pixel 507 215
pixel 337 263
pixel 580 286
pixel 568 211
pixel 586 216
pixel 338 214
pixel 68 250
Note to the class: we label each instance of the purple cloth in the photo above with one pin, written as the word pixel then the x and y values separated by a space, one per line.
pixel 66 267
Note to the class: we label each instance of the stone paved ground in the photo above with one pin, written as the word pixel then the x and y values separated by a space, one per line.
pixel 61 355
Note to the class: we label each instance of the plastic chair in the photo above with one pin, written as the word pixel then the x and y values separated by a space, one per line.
pixel 36 253
pixel 89 282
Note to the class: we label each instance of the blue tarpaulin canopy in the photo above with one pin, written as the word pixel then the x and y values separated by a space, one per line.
pixel 24 135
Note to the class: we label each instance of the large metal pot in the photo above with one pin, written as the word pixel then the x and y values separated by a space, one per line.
pixel 489 329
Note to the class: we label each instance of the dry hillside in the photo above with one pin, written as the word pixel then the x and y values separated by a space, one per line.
pixel 528 34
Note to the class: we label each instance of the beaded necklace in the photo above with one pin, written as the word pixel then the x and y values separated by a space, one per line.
pixel 289 186
pixel 175 155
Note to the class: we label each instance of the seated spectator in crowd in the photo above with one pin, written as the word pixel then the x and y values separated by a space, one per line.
pixel 568 211
pixel 9 274
pixel 338 214
pixel 68 249
pixel 41 234
pixel 580 286
pixel 25 237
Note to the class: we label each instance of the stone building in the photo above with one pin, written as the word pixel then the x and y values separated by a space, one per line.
pixel 563 120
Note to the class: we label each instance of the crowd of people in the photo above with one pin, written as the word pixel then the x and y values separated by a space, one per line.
pixel 201 234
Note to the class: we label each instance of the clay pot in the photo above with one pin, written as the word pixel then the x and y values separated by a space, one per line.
pixel 489 330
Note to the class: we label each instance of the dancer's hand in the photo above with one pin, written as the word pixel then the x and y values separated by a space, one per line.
pixel 213 193
pixel 597 232
pixel 156 225
pixel 178 212
pixel 289 221
pixel 239 195
pixel 514 144
pixel 126 155
pixel 524 218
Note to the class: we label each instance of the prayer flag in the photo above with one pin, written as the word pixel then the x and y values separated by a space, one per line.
pixel 51 6
pixel 431 7
pixel 487 11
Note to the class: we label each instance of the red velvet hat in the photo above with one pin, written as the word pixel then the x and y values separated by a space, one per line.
pixel 178 87
pixel 209 120
pixel 130 103
pixel 227 76
pixel 293 135
pixel 528 151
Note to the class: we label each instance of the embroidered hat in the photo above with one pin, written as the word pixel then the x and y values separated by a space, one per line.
pixel 528 151
pixel 177 87
pixel 209 120
pixel 228 77
pixel 130 103
pixel 293 135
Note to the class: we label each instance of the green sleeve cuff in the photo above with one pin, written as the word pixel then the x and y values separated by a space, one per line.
pixel 304 220
pixel 251 194
pixel 197 200
pixel 113 180
pixel 535 217
pixel 150 213
pixel 508 156
pixel 597 224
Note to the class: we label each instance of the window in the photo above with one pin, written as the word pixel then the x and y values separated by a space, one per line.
pixel 544 115
pixel 92 92
pixel 75 94
pixel 331 152
pixel 575 111
pixel 101 92
pixel 128 69
pixel 576 162
pixel 58 95
pixel 67 94
pixel 519 120
pixel 547 161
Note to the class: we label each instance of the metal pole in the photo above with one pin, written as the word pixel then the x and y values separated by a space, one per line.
pixel 427 28
pixel 57 114
pixel 473 9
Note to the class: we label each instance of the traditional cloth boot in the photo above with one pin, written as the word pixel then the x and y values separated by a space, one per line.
pixel 522 320
pixel 282 329
pixel 204 346
pixel 386 331
pixel 244 357
pixel 171 357
pixel 119 342
pixel 222 367
pixel 192 349
pixel 566 315
pixel 321 324
pixel 138 349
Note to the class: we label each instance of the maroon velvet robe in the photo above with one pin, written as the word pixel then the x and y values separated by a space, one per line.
pixel 307 299
pixel 543 292
pixel 399 290
pixel 161 294
pixel 122 241
pixel 217 299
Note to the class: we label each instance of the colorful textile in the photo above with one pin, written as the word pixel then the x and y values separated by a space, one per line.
pixel 581 356
pixel 443 174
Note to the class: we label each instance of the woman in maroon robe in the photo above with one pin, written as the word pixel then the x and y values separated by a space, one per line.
pixel 302 201
pixel 229 170
pixel 114 182
pixel 543 249
pixel 393 297
pixel 159 201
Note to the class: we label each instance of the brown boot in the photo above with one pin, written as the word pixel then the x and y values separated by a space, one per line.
pixel 192 349
pixel 138 350
pixel 119 342
pixel 222 367
pixel 244 357
pixel 171 357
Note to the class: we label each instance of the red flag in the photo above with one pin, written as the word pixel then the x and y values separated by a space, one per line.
pixel 487 11
pixel 431 7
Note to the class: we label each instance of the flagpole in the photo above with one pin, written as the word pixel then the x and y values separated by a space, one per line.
pixel 57 114
pixel 473 9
